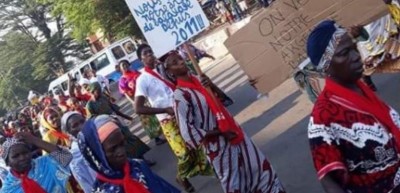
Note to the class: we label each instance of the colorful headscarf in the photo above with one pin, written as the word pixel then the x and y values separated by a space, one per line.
pixel 52 135
pixel 6 146
pixel 46 112
pixel 92 149
pixel 322 43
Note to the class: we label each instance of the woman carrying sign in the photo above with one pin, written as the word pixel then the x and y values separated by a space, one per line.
pixel 205 123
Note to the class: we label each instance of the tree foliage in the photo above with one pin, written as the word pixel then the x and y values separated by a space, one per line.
pixel 35 47
pixel 16 77
pixel 53 41
pixel 86 17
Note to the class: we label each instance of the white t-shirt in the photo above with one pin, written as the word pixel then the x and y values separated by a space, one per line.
pixel 102 80
pixel 156 91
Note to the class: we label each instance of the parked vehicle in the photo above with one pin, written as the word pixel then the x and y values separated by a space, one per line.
pixel 103 63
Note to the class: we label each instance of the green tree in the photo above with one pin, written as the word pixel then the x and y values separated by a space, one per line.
pixel 53 45
pixel 86 17
pixel 16 78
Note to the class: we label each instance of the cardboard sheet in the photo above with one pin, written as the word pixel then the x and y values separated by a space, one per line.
pixel 272 44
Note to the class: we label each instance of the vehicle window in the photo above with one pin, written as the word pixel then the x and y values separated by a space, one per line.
pixel 64 85
pixel 129 47
pixel 84 68
pixel 100 62
pixel 118 52
pixel 77 76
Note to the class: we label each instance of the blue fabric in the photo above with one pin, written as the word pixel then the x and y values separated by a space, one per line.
pixel 92 151
pixel 318 40
pixel 46 171
pixel 142 173
pixel 80 169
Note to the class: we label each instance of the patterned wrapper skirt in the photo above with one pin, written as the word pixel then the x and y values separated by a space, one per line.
pixel 190 162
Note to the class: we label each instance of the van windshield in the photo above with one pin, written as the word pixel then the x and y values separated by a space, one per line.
pixel 100 62
pixel 118 52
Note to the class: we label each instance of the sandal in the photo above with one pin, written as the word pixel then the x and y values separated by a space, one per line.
pixel 187 186
pixel 160 141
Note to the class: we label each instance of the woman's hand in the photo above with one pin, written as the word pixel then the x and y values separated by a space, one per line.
pixel 26 137
pixel 205 80
pixel 355 30
pixel 210 135
pixel 229 135
pixel 170 111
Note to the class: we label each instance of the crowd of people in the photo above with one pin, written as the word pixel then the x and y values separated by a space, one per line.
pixel 79 143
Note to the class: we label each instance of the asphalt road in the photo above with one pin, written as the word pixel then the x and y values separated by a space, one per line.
pixel 277 124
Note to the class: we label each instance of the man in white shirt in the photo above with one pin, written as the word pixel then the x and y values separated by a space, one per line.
pixel 159 92
pixel 93 77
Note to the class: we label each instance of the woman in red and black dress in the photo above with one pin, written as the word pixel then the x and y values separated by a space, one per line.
pixel 354 136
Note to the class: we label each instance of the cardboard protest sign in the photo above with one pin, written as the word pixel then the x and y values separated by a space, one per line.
pixel 166 24
pixel 272 44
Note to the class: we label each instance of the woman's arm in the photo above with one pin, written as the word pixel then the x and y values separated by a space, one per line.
pixel 140 108
pixel 331 185
pixel 62 156
pixel 119 113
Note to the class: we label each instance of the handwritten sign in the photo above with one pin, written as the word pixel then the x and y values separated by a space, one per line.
pixel 275 39
pixel 166 24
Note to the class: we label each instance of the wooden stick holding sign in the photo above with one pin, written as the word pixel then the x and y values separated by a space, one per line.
pixel 192 59
pixel 196 66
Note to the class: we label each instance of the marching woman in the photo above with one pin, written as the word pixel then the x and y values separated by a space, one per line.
pixel 354 136
pixel 127 87
pixel 205 123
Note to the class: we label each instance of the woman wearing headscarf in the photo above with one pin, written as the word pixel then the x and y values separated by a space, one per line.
pixel 52 133
pixel 100 105
pixel 205 123
pixel 102 144
pixel 354 136
pixel 45 174
pixel 50 122
pixel 72 123
pixel 127 87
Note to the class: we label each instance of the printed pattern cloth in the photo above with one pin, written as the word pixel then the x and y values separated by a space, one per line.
pixel 342 137
pixel 50 171
pixel 240 168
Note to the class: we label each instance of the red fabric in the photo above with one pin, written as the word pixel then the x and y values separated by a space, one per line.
pixel 47 101
pixel 127 182
pixel 59 135
pixel 9 132
pixel 28 185
pixel 150 71
pixel 83 97
pixel 369 103
pixel 225 121
pixel 131 77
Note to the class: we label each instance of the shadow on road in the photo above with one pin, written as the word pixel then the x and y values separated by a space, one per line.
pixel 256 124
pixel 295 168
